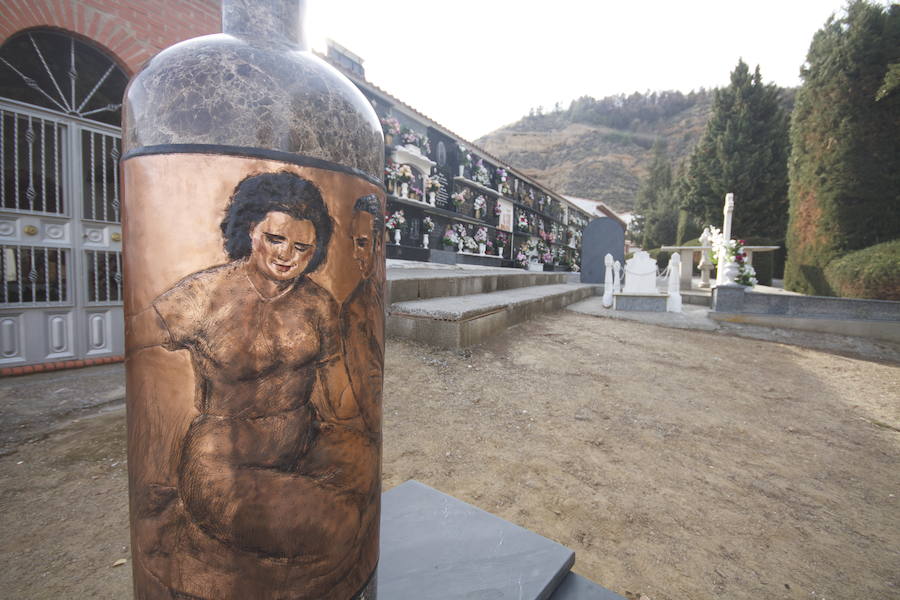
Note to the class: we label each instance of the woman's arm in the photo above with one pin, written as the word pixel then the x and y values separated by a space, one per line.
pixel 145 330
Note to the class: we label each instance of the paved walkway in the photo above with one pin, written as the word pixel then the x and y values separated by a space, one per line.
pixel 31 406
pixel 692 317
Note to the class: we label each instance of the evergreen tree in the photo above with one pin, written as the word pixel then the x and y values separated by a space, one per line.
pixel 845 159
pixel 656 207
pixel 744 150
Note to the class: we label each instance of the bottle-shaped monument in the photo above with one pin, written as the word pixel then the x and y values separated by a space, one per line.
pixel 254 266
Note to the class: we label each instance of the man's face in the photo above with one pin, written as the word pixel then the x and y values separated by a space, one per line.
pixel 282 246
pixel 363 244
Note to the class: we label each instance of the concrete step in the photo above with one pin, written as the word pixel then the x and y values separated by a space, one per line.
pixel 465 320
pixel 697 297
pixel 420 284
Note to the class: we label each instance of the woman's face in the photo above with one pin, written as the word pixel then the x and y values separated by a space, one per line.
pixel 282 246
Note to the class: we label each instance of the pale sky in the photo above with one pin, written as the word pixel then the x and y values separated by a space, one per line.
pixel 474 66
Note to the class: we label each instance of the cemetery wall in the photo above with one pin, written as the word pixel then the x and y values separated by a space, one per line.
pixel 878 319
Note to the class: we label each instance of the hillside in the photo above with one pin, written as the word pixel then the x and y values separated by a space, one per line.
pixel 600 149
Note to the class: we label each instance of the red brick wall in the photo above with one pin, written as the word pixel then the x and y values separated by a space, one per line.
pixel 132 31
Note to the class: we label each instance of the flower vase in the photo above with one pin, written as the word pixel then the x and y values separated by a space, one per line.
pixel 425 241
pixel 500 251
pixel 404 190
pixel 431 196
pixel 389 139
pixel 477 213
pixel 460 246
pixel 397 236
pixel 389 185
pixel 481 248
pixel 461 170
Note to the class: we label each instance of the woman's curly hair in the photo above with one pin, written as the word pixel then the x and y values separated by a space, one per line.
pixel 258 195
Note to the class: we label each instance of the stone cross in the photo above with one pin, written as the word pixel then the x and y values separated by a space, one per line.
pixel 724 270
pixel 729 212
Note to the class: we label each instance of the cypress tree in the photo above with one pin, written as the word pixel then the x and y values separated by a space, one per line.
pixel 656 209
pixel 744 150
pixel 845 135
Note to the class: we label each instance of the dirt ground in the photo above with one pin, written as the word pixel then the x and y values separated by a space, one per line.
pixel 676 464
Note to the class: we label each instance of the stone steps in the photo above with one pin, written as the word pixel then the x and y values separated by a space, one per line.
pixel 457 321
pixel 419 284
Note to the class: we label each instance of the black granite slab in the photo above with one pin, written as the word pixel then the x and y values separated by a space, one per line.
pixel 445 257
pixel 406 252
pixel 435 547
pixel 576 587
pixel 601 237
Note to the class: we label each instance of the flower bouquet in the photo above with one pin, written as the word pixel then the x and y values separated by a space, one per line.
pixel 427 228
pixel 404 174
pixel 390 176
pixel 451 238
pixel 395 223
pixel 479 205
pixel 480 173
pixel 500 177
pixel 522 222
pixel 458 199
pixel 391 127
pixel 501 241
pixel 412 138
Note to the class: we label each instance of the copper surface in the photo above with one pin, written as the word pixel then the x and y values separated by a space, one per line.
pixel 254 399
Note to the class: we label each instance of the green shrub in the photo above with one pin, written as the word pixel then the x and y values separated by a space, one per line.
pixel 872 272
pixel 661 257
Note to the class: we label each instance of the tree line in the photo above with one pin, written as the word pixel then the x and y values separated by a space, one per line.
pixel 822 180
pixel 627 112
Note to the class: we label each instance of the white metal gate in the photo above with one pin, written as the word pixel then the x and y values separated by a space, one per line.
pixel 60 237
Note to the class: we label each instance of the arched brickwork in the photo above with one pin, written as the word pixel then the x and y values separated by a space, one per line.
pixel 131 31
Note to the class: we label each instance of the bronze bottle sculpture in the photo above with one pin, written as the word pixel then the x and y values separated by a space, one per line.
pixel 254 269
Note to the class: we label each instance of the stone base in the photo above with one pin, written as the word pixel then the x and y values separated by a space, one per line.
pixel 640 302
pixel 486 260
pixel 406 252
pixel 443 257
pixel 435 547
pixel 464 320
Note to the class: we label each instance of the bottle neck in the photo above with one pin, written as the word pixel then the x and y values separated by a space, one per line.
pixel 275 20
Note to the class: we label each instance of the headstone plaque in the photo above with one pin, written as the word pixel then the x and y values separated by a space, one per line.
pixel 601 237
pixel 442 200
pixel 505 222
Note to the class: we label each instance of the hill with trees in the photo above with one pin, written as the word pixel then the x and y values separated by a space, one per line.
pixel 602 149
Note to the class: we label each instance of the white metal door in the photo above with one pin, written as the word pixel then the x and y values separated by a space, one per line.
pixel 60 237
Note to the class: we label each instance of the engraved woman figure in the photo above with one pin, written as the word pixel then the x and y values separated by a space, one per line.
pixel 280 462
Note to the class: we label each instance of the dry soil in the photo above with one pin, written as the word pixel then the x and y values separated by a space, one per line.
pixel 677 464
